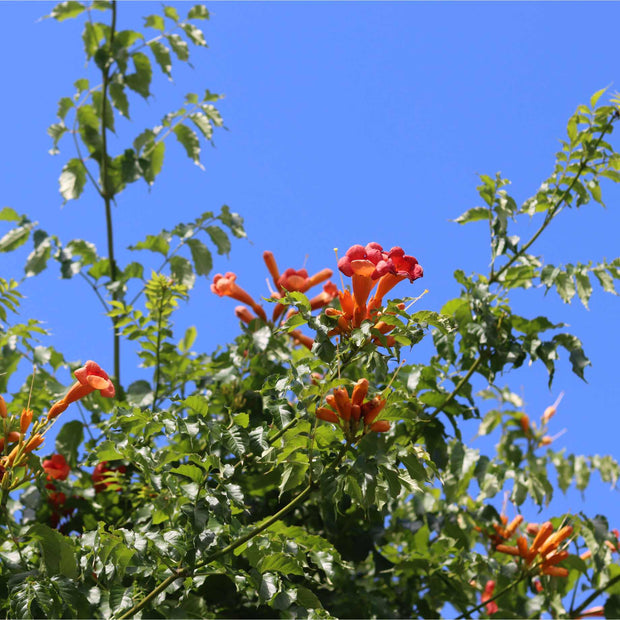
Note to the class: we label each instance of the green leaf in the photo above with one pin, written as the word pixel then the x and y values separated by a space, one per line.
pixel 92 35
pixel 189 140
pixel 188 339
pixel 198 12
pixel 156 162
pixel 64 105
pixel 194 34
pixel 191 472
pixel 106 451
pixel 584 287
pixel 596 96
pixel 199 404
pixel 72 179
pixel 203 263
pixel 155 21
pixel 179 47
pixel 182 272
pixel 15 237
pixel 220 239
pixel 37 259
pixel 203 123
pixel 58 551
pixel 9 215
pixel 69 440
pixel 565 286
pixel 154 243
pixel 473 215
pixel 171 13
pixel 306 598
pixel 281 563
pixel 67 10
pixel 119 98
pixel 162 56
pixel 140 394
pixel 140 81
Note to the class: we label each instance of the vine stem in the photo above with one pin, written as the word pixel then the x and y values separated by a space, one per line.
pixel 558 206
pixel 108 195
pixel 184 571
pixel 160 312
pixel 469 612
pixel 574 613
pixel 450 396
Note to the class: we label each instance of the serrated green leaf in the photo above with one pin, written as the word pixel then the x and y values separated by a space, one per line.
pixel 162 56
pixel 220 239
pixel 140 393
pixel 15 237
pixel 67 10
pixel 194 34
pixel 155 21
pixel 203 263
pixel 584 287
pixel 58 551
pixel 199 404
pixel 473 215
pixel 182 272
pixel 119 98
pixel 203 124
pixel 72 179
pixel 154 243
pixel 189 140
pixel 9 215
pixel 171 13
pixel 199 11
pixel 179 47
pixel 140 81
pixel 280 563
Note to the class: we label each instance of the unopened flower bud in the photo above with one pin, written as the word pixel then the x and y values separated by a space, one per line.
pixel 25 420
pixel 34 443
pixel 56 409
pixel 3 410
pixel 524 422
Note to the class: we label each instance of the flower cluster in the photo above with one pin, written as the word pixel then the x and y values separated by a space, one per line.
pixel 56 468
pixel 291 280
pixel 14 428
pixel 369 266
pixel 543 551
pixel 351 413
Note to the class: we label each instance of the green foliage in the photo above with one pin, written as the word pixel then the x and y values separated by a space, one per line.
pixel 237 483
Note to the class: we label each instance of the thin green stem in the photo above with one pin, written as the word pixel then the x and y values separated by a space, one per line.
pixel 450 396
pixel 101 299
pixel 575 613
pixel 108 194
pixel 558 207
pixel 160 315
pixel 469 612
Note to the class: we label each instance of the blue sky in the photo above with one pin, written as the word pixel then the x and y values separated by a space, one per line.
pixel 347 123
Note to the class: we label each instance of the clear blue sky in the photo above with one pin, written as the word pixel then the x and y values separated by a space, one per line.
pixel 348 123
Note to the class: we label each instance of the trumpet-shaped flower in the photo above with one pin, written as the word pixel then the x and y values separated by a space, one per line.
pixel 487 594
pixel 226 286
pixel 368 266
pixel 90 377
pixel 56 467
